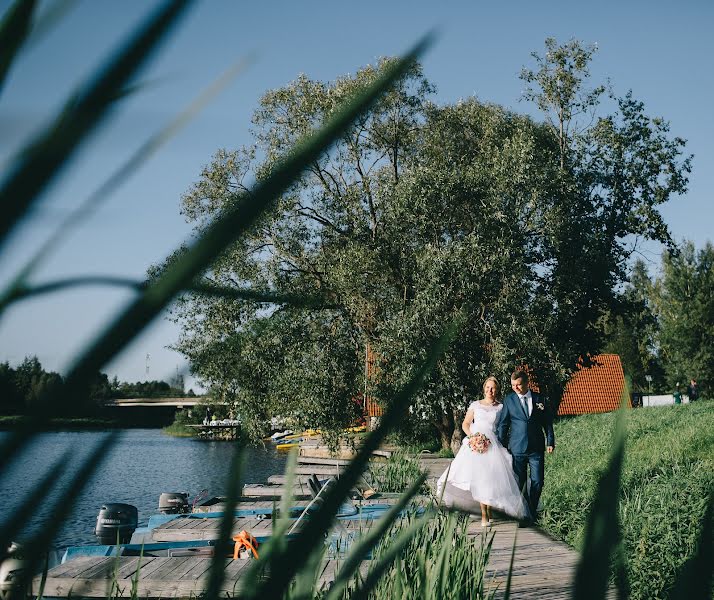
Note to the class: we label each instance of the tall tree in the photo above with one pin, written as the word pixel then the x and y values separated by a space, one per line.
pixel 323 239
pixel 616 170
pixel 418 214
pixel 684 300
pixel 632 332
pixel 463 225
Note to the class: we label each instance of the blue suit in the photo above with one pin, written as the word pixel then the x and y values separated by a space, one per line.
pixel 524 437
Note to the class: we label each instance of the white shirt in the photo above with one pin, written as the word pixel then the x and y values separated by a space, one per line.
pixel 529 402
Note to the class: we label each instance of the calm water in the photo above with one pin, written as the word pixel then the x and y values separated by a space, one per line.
pixel 142 465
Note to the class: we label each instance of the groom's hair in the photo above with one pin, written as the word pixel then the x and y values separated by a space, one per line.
pixel 519 374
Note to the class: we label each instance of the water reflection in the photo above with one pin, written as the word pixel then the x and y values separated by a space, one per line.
pixel 141 465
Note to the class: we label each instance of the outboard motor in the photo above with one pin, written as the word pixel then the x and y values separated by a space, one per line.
pixel 174 503
pixel 116 521
pixel 12 570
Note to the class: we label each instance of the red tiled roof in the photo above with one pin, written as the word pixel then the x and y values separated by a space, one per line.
pixel 372 409
pixel 595 389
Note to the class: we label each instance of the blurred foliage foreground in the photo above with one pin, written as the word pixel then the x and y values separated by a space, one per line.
pixel 282 571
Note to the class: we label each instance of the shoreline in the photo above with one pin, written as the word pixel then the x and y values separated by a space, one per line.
pixel 15 422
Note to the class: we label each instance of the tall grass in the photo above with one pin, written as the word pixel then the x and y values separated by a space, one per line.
pixel 666 483
pixel 441 561
pixel 396 473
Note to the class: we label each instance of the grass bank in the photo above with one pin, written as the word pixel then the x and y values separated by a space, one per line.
pixel 66 423
pixel 667 476
pixel 178 430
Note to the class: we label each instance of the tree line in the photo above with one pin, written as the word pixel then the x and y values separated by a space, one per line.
pixel 521 229
pixel 665 329
pixel 23 388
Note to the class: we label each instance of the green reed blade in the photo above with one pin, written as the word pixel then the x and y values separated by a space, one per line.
pixel 319 523
pixel 389 556
pixel 287 500
pixel 441 565
pixel 306 579
pixel 14 28
pixel 217 570
pixel 43 578
pixel 61 509
pixel 16 289
pixel 602 532
pixel 230 226
pixel 43 159
pixel 46 20
pixel 369 541
pixel 267 296
pixel 696 578
pixel 509 577
pixel 32 500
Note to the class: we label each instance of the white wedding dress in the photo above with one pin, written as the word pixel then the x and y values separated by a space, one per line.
pixel 487 478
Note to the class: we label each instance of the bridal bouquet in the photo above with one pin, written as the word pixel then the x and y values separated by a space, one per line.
pixel 479 442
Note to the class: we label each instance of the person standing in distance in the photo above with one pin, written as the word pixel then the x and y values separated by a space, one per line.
pixel 525 426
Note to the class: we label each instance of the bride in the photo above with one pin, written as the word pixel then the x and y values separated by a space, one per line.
pixel 483 466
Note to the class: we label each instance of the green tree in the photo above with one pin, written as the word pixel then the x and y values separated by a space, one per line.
pixel 615 171
pixel 324 239
pixel 684 301
pixel 421 213
pixel 461 225
pixel 10 398
pixel 633 333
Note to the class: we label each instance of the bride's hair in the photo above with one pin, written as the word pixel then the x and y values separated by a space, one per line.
pixel 495 383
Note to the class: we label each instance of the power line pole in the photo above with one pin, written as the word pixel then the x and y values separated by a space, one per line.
pixel 147 365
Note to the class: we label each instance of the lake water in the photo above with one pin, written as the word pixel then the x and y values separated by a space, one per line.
pixel 143 464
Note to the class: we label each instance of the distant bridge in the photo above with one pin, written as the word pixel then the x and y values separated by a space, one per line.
pixel 156 402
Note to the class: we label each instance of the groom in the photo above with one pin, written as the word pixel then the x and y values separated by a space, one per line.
pixel 520 426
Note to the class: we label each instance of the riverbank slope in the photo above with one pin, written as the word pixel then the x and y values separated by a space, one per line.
pixel 667 477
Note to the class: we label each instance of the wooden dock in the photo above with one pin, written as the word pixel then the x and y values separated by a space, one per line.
pixel 157 577
pixel 543 568
pixel 181 530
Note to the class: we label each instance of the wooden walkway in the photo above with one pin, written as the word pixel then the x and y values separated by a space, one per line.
pixel 158 577
pixel 182 530
pixel 543 568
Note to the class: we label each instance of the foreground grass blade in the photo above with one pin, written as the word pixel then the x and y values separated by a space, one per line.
pixel 114 181
pixel 696 578
pixel 34 499
pixel 287 499
pixel 47 19
pixel 13 32
pixel 37 547
pixel 391 554
pixel 217 571
pixel 225 230
pixel 21 292
pixel 369 541
pixel 43 159
pixel 507 591
pixel 602 532
pixel 290 562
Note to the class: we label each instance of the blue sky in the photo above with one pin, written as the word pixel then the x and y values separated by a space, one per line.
pixel 660 50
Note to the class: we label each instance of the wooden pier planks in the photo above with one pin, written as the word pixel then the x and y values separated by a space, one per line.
pixel 543 568
pixel 179 530
pixel 185 577
pixel 300 491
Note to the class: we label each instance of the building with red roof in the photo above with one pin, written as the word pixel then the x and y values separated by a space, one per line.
pixel 595 389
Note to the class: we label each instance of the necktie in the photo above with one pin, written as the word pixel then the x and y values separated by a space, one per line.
pixel 524 402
